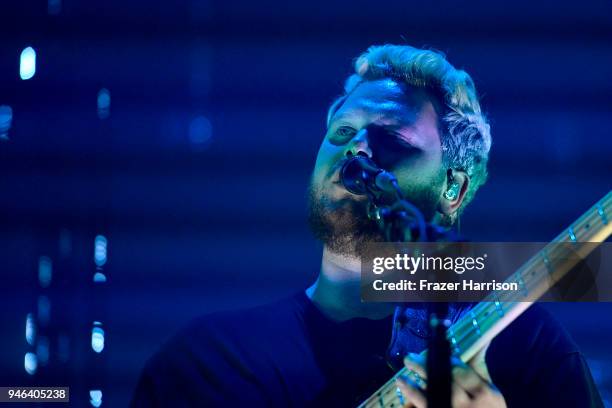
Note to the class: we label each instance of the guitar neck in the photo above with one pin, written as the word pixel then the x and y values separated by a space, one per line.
pixel 488 318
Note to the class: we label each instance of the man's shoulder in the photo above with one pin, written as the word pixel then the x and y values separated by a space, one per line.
pixel 238 331
pixel 217 351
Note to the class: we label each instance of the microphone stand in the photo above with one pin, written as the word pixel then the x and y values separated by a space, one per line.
pixel 438 366
pixel 401 221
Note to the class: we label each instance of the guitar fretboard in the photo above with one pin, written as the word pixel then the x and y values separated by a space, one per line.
pixel 488 318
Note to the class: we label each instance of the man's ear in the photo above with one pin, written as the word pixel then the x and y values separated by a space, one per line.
pixel 457 183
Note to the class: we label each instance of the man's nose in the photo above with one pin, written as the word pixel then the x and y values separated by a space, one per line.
pixel 359 145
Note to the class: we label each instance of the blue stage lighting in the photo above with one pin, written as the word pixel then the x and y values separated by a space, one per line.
pixel 27 64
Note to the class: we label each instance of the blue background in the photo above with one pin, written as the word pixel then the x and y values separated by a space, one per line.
pixel 197 177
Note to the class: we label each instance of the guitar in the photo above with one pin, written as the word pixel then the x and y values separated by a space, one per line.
pixel 475 330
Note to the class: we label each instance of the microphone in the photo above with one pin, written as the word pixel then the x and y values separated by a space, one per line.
pixel 360 175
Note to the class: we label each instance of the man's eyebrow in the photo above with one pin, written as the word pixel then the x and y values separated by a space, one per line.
pixel 345 116
pixel 389 114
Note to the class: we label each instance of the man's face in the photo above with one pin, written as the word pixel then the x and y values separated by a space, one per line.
pixel 397 127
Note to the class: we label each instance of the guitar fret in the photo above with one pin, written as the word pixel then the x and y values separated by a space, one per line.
pixel 392 392
pixel 499 309
pixel 602 214
pixel 521 283
pixel 400 396
pixel 453 340
pixel 546 260
pixel 468 328
pixel 571 234
pixel 596 216
pixel 475 322
pixel 467 339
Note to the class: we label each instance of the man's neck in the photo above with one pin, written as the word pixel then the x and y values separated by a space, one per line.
pixel 336 291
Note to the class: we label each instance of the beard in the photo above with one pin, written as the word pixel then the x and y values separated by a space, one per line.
pixel 343 226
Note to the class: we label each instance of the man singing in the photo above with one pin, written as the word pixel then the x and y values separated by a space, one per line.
pixel 415 115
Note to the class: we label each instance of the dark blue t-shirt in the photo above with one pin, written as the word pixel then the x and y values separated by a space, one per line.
pixel 288 353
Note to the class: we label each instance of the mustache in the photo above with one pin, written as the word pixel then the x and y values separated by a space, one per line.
pixel 338 165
